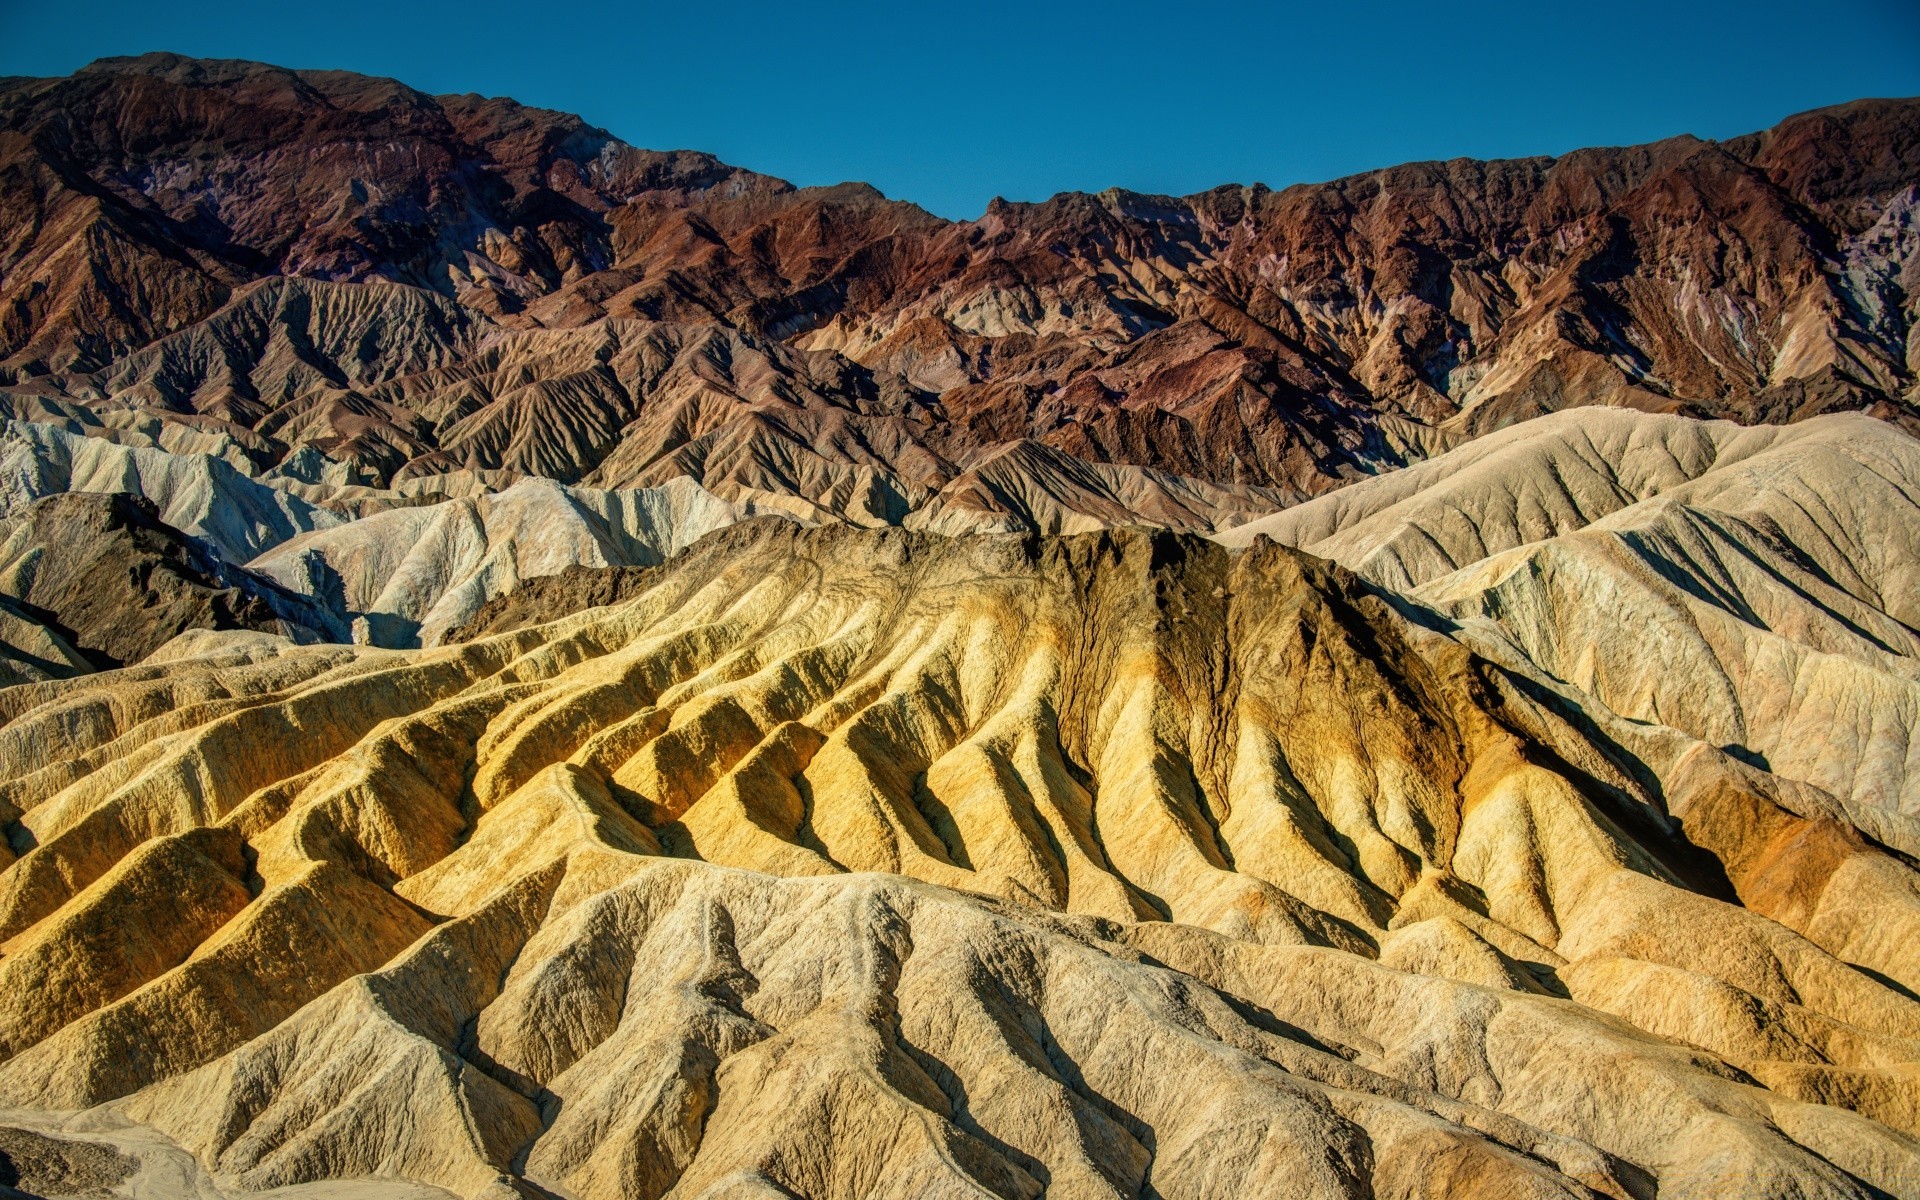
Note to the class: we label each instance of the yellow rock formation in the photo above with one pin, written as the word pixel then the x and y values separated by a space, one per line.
pixel 845 863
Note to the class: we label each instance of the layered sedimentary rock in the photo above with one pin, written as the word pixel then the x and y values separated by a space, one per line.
pixel 107 583
pixel 198 493
pixel 839 862
pixel 1757 588
pixel 408 284
pixel 531 667
pixel 1029 486
pixel 413 573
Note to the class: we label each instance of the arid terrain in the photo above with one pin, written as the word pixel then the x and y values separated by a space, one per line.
pixel 536 668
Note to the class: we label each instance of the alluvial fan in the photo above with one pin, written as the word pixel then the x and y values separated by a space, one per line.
pixel 835 862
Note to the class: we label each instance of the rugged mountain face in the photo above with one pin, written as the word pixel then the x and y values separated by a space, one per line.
pixel 104 576
pixel 411 284
pixel 839 862
pixel 172 179
pixel 198 494
pixel 1754 587
pixel 753 748
pixel 413 573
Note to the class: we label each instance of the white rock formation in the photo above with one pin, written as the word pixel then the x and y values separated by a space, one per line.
pixel 1756 588
pixel 198 494
pixel 415 573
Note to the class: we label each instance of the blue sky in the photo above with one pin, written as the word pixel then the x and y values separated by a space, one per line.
pixel 950 105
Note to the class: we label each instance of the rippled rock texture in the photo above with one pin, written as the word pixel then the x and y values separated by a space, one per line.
pixel 841 862
pixel 408 285
pixel 1260 693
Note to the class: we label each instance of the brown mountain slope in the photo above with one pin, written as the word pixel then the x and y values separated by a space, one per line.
pixel 106 575
pixel 179 178
pixel 1288 339
pixel 846 863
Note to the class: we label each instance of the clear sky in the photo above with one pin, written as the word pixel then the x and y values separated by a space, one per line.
pixel 950 105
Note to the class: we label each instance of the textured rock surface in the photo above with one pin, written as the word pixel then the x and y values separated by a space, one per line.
pixel 406 285
pixel 197 493
pixel 31 649
pixel 102 574
pixel 1564 848
pixel 836 862
pixel 1756 588
pixel 411 574
pixel 1032 487
pixel 544 598
pixel 60 1167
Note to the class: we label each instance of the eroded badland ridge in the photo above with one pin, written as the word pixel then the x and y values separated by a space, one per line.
pixel 531 667
pixel 569 306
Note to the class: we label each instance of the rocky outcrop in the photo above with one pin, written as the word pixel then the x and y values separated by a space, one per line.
pixel 410 574
pixel 840 862
pixel 1753 588
pixel 728 695
pixel 108 579
pixel 197 493
pixel 547 598
pixel 408 285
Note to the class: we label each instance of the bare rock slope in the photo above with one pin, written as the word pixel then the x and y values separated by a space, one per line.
pixel 1756 588
pixel 101 574
pixel 409 284
pixel 198 493
pixel 412 573
pixel 841 863
pixel 535 668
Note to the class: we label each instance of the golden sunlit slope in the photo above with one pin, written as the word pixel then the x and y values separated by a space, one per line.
pixel 1755 588
pixel 850 863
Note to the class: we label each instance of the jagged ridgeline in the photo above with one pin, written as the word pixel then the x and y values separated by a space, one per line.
pixel 533 668
pixel 413 286
pixel 837 862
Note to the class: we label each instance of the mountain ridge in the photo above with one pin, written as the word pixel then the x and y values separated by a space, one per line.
pixel 531 668
pixel 1066 854
pixel 1241 336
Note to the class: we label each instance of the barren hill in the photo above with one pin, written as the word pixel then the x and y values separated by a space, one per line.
pixel 532 668
pixel 854 863
pixel 1757 588
pixel 414 284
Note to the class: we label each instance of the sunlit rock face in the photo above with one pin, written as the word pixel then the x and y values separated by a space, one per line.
pixel 534 668
pixel 1757 588
pixel 840 862
pixel 412 285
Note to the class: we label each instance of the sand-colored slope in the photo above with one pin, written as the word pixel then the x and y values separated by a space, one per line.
pixel 141 427
pixel 1529 481
pixel 1261 889
pixel 1758 589
pixel 31 651
pixel 196 493
pixel 414 573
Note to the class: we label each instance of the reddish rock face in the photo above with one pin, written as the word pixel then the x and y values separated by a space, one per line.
pixel 194 176
pixel 1286 339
